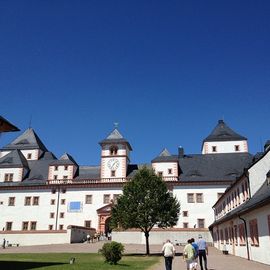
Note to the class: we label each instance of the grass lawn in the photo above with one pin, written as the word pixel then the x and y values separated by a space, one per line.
pixel 90 261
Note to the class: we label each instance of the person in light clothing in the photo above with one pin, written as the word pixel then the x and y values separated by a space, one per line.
pixel 203 252
pixel 168 251
pixel 189 254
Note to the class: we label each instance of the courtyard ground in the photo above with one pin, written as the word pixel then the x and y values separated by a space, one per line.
pixel 216 260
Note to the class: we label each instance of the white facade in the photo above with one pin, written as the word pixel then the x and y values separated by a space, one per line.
pixel 225 147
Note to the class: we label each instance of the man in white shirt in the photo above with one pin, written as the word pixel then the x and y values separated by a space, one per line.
pixel 168 251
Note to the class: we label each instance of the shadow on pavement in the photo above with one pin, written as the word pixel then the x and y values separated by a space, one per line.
pixel 19 265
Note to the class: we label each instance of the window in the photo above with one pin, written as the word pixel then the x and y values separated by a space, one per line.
pixel 214 149
pixel 8 226
pixel 199 197
pixel 254 234
pixel 62 215
pixel 53 191
pixel 11 201
pixel 113 173
pixel 115 197
pixel 66 168
pixel 221 236
pixel 169 171
pixel 50 227
pixel 35 200
pixel 33 225
pixel 29 156
pixel 235 235
pixel 25 225
pixel 106 198
pixel 8 177
pixel 63 201
pixel 185 213
pixel 226 236
pixel 61 227
pixel 160 174
pixel 87 223
pixel 113 150
pixel 55 177
pixel 88 199
pixel 190 198
pixel 63 190
pixel 185 224
pixel 52 201
pixel 56 168
pixel 27 201
pixel 236 148
pixel 65 177
pixel 200 223
pixel 52 215
pixel 242 237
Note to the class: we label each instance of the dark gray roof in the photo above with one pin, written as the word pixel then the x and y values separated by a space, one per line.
pixel 13 159
pixel 115 137
pixel 39 168
pixel 88 172
pixel 6 126
pixel 260 198
pixel 213 167
pixel 223 133
pixel 65 159
pixel 165 156
pixel 28 140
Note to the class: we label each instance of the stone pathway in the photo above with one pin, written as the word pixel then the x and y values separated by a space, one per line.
pixel 216 260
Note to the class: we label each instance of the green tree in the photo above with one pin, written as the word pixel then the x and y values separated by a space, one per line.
pixel 145 202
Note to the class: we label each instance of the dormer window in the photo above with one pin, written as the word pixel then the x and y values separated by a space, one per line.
pixel 56 168
pixel 66 168
pixel 236 148
pixel 214 149
pixel 29 156
pixel 113 150
pixel 8 177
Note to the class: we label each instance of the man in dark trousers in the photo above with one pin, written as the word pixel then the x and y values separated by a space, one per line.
pixel 168 251
pixel 203 252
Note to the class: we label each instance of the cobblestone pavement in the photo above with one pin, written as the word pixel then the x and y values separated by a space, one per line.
pixel 216 260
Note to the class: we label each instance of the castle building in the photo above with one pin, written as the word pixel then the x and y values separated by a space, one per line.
pixel 48 200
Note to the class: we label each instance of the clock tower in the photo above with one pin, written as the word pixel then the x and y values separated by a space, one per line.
pixel 115 150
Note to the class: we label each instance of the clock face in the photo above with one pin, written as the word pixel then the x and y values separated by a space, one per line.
pixel 113 164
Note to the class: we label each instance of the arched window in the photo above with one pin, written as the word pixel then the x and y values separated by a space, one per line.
pixel 113 150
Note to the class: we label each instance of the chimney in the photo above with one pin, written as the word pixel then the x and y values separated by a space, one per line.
pixel 180 152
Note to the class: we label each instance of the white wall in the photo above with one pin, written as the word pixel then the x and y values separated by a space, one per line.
pixel 197 210
pixel 224 147
pixel 257 173
pixel 17 174
pixel 164 166
pixel 158 237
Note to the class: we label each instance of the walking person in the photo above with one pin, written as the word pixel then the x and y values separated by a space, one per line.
pixel 168 251
pixel 4 243
pixel 203 252
pixel 189 254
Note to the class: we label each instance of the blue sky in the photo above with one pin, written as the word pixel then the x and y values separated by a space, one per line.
pixel 166 71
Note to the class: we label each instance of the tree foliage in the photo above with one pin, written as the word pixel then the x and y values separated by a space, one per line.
pixel 145 203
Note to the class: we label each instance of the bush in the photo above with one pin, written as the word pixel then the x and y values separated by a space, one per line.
pixel 112 252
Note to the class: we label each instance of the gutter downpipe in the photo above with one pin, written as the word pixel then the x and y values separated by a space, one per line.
pixel 245 223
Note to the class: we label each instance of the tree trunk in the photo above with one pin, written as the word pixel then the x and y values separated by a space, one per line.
pixel 146 233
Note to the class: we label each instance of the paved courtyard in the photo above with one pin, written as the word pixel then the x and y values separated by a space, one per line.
pixel 216 260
